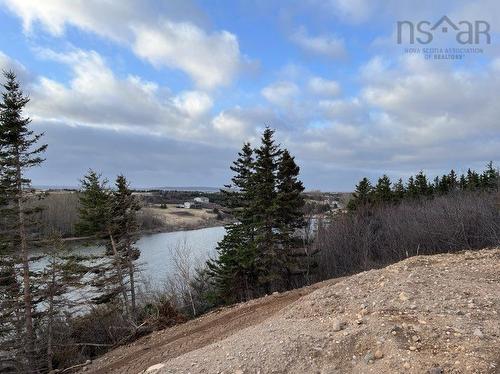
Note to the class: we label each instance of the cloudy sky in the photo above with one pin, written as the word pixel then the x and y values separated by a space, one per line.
pixel 166 92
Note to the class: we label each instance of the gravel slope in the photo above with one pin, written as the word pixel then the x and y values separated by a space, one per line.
pixel 427 314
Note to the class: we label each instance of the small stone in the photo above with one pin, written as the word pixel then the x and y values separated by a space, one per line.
pixel 406 365
pixel 338 325
pixel 378 354
pixel 436 370
pixel 403 296
pixel 154 368
pixel 368 358
pixel 238 371
pixel 415 338
pixel 413 348
pixel 478 333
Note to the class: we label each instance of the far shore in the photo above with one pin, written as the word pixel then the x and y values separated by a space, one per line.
pixel 204 225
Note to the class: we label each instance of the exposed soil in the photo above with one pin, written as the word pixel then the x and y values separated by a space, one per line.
pixel 427 314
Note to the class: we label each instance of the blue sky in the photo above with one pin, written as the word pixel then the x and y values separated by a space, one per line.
pixel 167 92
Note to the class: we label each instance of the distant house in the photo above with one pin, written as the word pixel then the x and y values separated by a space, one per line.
pixel 187 205
pixel 202 200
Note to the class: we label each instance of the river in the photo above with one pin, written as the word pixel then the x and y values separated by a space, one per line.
pixel 157 250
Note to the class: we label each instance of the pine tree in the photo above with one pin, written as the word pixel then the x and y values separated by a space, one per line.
pixel 411 188
pixel 125 230
pixel 271 262
pixel 362 196
pixel 289 200
pixel 96 219
pixel 490 177
pixel 463 182
pixel 399 190
pixel 473 182
pixel 452 180
pixel 19 152
pixel 421 184
pixel 62 274
pixel 233 271
pixel 382 191
pixel 94 205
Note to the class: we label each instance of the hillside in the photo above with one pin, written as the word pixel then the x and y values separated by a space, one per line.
pixel 434 314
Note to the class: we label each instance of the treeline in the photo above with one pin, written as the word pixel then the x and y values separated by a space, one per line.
pixel 379 234
pixel 59 308
pixel 419 186
pixel 255 256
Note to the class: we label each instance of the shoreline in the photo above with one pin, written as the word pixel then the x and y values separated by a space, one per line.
pixel 164 230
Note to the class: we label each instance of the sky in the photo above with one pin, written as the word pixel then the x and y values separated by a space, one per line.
pixel 166 92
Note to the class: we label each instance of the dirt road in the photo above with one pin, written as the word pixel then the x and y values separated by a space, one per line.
pixel 178 340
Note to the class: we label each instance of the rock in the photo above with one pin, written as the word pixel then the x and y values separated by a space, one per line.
pixel 436 370
pixel 378 354
pixel 406 365
pixel 154 368
pixel 413 348
pixel 338 325
pixel 238 371
pixel 403 296
pixel 478 333
pixel 369 357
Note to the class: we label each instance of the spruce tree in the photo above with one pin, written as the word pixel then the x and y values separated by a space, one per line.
pixel 289 199
pixel 422 185
pixel 382 191
pixel 399 190
pixel 490 178
pixel 96 219
pixel 19 152
pixel 411 189
pixel 362 196
pixel 125 230
pixel 270 261
pixel 233 271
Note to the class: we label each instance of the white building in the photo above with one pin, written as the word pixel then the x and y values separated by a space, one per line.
pixel 202 200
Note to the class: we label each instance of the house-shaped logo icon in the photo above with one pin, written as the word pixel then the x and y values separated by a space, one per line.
pixel 443 21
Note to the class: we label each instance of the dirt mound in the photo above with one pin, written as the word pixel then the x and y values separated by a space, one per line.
pixel 435 314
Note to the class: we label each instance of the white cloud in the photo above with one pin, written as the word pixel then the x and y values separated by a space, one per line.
pixel 211 59
pixel 324 45
pixel 96 97
pixel 323 87
pixel 353 10
pixel 280 93
pixel 195 104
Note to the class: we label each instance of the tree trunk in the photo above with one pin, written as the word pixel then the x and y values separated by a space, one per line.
pixel 119 272
pixel 132 283
pixel 50 351
pixel 28 305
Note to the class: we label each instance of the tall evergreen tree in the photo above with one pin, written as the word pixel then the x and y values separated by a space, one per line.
pixel 19 152
pixel 96 219
pixel 125 231
pixel 490 177
pixel 382 191
pixel 271 262
pixel 289 200
pixel 411 189
pixel 362 196
pixel 399 190
pixel 234 269
pixel 422 185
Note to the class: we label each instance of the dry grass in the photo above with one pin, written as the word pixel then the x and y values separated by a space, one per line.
pixel 182 218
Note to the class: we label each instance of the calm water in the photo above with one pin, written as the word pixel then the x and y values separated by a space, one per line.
pixel 157 250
